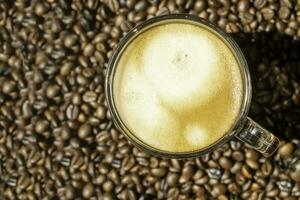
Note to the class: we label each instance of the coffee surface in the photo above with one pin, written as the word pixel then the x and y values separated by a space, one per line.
pixel 178 87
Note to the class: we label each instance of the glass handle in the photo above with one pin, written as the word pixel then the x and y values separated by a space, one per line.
pixel 258 137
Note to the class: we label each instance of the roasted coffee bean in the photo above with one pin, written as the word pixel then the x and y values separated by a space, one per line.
pixel 284 12
pixel 260 3
pixel 40 8
pixel 238 156
pixel 235 145
pixel 252 164
pixel 108 186
pixel 246 172
pixel 214 173
pixel 295 169
pixel 89 97
pixel 231 28
pixel 252 154
pixel 69 192
pixel 108 196
pixel 225 163
pixel 233 188
pixel 236 167
pixel 52 91
pixel 70 40
pixel 286 150
pixel 172 179
pixel 219 189
pixel 159 172
pixel 41 126
pixel 287 3
pixel 268 13
pixel 8 86
pixel 113 5
pixel 84 131
pixel 88 191
pixel 187 173
pixel 72 112
pixel 126 26
pixel 141 6
pixel 266 168
pixel 243 5
pixel 88 50
pixel 199 6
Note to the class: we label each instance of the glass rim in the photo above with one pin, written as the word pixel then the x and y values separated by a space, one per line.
pixel 225 37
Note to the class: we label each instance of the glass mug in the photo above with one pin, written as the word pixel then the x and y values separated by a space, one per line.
pixel 244 128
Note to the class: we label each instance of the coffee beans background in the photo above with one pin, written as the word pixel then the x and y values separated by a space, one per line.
pixel 57 140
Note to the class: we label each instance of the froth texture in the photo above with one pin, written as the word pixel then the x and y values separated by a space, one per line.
pixel 178 87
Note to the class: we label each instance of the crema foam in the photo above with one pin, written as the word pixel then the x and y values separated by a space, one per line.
pixel 178 87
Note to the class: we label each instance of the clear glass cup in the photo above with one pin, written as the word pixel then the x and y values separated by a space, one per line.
pixel 244 128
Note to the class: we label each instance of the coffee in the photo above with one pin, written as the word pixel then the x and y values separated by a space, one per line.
pixel 177 86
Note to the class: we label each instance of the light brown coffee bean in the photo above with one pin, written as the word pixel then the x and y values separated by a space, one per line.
pixel 89 97
pixel 52 91
pixel 172 179
pixel 158 172
pixel 225 163
pixel 70 40
pixel 267 13
pixel 238 156
pixel 219 189
pixel 252 154
pixel 246 172
pixel 84 131
pixel 260 3
pixel 199 6
pixel 108 196
pixel 236 167
pixel 266 168
pixel 295 171
pixel 187 173
pixel 88 50
pixel 69 192
pixel 284 12
pixel 243 5
pixel 252 164
pixel 108 186
pixel 8 86
pixel 113 5
pixel 40 8
pixel 233 188
pixel 286 150
pixel 41 126
pixel 141 6
pixel 88 190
